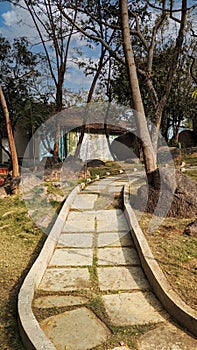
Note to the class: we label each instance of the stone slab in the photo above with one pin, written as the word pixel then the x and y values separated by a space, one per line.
pixel 76 240
pixel 132 309
pixel 111 220
pixel 92 188
pixel 120 182
pixel 167 337
pixel 77 329
pixel 65 279
pixel 51 301
pixel 117 256
pixel 84 201
pixel 80 222
pixel 122 278
pixel 72 257
pixel 115 239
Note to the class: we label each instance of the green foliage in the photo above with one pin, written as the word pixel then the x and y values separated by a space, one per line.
pixel 180 108
pixel 20 77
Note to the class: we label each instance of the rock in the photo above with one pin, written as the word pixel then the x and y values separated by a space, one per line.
pixel 180 186
pixel 56 184
pixel 126 146
pixel 187 138
pixel 55 197
pixel 191 229
pixel 94 163
pixel 184 204
pixel 29 181
pixel 166 154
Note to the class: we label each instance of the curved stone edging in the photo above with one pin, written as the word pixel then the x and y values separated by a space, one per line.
pixel 32 335
pixel 185 315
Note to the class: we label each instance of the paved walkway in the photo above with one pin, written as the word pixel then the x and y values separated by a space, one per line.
pixel 94 289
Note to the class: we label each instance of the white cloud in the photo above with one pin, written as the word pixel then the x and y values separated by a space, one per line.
pixel 9 18
pixel 17 23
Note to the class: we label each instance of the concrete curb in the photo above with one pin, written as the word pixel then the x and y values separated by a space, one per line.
pixel 185 316
pixel 32 335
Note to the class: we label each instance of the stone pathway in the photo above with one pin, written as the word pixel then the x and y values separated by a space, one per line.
pixel 94 283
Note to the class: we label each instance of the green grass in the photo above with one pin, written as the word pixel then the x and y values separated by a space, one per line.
pixel 20 244
pixel 190 160
pixel 192 174
pixel 176 254
pixel 110 167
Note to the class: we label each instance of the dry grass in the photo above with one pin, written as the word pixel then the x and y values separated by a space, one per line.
pixel 176 254
pixel 20 243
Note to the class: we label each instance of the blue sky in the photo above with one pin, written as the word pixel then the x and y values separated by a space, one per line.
pixel 11 26
pixel 14 22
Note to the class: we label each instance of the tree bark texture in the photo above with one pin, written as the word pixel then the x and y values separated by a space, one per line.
pixel 148 152
pixel 15 166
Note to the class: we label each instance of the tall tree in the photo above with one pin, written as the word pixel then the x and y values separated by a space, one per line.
pixel 149 154
pixel 55 35
pixel 136 15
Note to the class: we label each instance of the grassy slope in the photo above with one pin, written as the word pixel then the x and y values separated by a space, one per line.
pixel 21 242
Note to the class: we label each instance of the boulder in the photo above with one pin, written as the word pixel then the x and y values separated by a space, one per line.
pixel 126 146
pixel 191 229
pixel 183 202
pixel 94 163
pixel 187 138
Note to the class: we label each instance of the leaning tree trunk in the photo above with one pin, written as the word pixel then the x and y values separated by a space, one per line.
pixel 13 186
pixel 15 166
pixel 143 133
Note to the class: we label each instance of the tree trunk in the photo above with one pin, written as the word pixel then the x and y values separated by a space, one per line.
pixel 0 149
pixel 143 133
pixel 56 144
pixel 15 166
